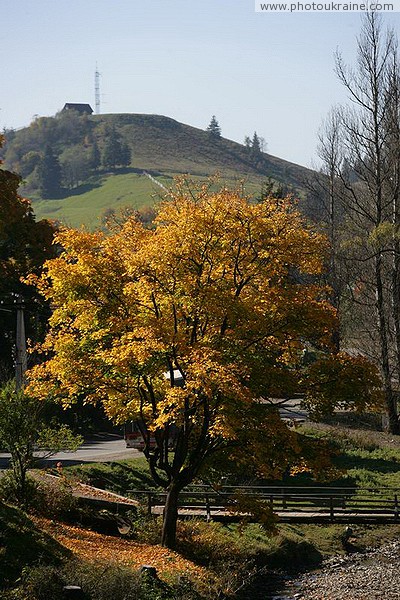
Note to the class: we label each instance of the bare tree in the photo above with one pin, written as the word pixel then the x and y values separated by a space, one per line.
pixel 330 191
pixel 360 149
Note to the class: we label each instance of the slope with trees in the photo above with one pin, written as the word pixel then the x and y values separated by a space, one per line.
pixel 158 145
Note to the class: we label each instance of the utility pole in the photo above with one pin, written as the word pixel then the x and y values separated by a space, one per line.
pixel 20 345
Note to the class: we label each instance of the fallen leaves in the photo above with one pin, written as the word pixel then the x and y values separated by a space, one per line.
pixel 94 546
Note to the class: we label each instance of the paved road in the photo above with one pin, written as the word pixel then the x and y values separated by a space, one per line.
pixel 290 409
pixel 102 449
pixel 112 447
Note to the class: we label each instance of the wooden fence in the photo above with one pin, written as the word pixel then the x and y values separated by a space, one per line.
pixel 290 503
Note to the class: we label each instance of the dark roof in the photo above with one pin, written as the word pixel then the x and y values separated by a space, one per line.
pixel 81 108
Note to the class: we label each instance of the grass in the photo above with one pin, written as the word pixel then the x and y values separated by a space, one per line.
pixel 366 458
pixel 88 204
pixel 113 192
pixel 328 539
pixel 116 477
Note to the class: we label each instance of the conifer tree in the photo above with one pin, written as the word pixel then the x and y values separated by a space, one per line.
pixel 115 153
pixel 49 174
pixel 95 156
pixel 255 145
pixel 214 129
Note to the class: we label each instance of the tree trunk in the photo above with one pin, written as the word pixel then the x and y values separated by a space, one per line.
pixel 395 156
pixel 170 517
pixel 391 404
pixel 396 308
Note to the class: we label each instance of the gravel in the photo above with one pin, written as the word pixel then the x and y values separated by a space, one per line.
pixel 373 575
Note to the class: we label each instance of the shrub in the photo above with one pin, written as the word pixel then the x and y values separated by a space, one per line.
pixel 100 581
pixel 55 500
pixel 41 583
pixel 207 543
pixel 145 529
pixel 10 490
pixel 51 499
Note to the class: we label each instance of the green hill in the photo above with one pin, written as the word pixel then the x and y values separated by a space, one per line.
pixel 160 146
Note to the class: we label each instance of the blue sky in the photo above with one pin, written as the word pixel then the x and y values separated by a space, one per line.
pixel 187 59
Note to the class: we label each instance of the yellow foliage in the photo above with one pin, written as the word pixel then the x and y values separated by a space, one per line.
pixel 214 291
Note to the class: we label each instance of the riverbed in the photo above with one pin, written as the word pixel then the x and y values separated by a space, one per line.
pixel 372 575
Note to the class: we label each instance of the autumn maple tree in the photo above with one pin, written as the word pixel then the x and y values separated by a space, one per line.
pixel 186 326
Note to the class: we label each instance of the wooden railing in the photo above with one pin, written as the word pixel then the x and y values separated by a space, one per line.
pixel 331 502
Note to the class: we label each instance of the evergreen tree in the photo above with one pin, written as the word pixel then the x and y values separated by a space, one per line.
pixel 95 156
pixel 247 143
pixel 115 153
pixel 214 129
pixel 255 145
pixel 125 155
pixel 270 188
pixel 49 174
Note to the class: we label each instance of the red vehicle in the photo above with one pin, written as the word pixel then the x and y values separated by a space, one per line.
pixel 134 438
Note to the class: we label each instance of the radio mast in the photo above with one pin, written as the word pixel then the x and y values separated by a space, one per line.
pixel 97 90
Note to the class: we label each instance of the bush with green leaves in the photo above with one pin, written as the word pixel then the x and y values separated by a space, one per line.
pixel 28 436
pixel 10 490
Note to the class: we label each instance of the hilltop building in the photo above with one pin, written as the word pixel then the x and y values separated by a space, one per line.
pixel 83 109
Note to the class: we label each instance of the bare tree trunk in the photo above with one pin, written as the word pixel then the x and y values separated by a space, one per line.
pixel 393 132
pixel 330 152
pixel 396 294
pixel 391 405
pixel 335 294
pixel 170 517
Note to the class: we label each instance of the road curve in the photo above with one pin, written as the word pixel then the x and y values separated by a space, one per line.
pixel 100 449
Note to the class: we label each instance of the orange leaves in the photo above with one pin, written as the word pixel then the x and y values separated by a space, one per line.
pixel 216 291
pixel 94 546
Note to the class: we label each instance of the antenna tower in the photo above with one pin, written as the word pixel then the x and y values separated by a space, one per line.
pixel 97 90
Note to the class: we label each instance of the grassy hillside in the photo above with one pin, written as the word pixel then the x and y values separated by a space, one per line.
pixel 89 203
pixel 159 145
